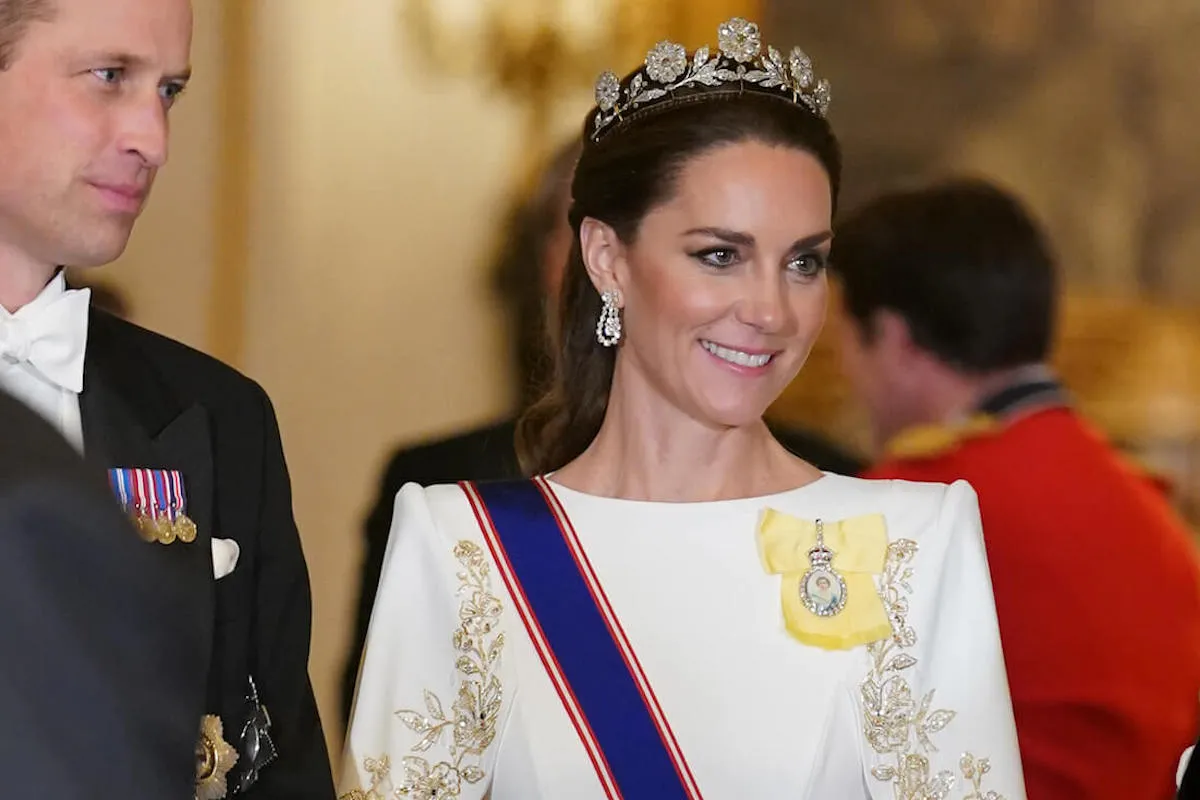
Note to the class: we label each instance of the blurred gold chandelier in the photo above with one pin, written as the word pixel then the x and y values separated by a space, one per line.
pixel 536 50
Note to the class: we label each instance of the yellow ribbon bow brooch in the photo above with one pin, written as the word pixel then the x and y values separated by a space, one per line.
pixel 828 567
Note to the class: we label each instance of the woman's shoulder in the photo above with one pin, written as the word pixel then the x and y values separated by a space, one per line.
pixel 912 509
pixel 442 507
pixel 433 525
pixel 934 534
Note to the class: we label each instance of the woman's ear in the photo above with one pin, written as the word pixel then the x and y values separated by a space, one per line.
pixel 603 252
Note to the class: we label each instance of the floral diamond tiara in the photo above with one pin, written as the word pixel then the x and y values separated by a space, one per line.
pixel 739 62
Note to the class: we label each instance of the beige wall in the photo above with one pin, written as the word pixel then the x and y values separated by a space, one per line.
pixel 166 272
pixel 379 185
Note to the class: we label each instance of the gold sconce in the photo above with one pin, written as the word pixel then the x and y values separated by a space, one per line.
pixel 531 50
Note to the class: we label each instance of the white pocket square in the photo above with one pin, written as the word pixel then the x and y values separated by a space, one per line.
pixel 225 554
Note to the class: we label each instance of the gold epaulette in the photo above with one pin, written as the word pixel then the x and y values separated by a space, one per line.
pixel 932 441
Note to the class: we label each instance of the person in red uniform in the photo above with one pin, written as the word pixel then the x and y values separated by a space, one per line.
pixel 948 296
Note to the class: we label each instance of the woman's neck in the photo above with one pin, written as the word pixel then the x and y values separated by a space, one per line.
pixel 648 449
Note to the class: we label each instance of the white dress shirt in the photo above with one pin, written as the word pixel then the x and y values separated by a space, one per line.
pixel 41 355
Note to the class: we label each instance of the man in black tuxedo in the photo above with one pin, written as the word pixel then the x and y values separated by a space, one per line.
pixel 85 93
pixel 80 592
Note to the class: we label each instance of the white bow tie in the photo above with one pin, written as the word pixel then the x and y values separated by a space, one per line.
pixel 52 339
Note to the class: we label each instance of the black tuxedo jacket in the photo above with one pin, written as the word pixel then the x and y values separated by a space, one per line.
pixel 150 402
pixel 96 693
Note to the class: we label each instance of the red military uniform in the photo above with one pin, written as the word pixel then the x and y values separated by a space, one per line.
pixel 1098 595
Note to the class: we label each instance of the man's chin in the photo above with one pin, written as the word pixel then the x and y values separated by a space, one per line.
pixel 96 252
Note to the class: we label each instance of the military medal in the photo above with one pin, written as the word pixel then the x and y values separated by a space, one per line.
pixel 164 529
pixel 144 525
pixel 214 758
pixel 822 589
pixel 256 746
pixel 185 529
pixel 155 500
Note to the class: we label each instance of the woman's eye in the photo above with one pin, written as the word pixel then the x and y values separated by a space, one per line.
pixel 718 257
pixel 808 264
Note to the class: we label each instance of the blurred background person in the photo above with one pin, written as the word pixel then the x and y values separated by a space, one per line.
pixel 948 302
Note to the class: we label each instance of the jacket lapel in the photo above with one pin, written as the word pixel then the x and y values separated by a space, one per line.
pixel 131 419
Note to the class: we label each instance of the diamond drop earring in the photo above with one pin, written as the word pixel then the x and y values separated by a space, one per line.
pixel 608 327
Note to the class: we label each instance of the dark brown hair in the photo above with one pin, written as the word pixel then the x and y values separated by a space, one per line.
pixel 963 262
pixel 15 16
pixel 618 180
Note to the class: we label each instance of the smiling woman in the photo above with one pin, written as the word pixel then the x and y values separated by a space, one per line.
pixel 710 216
pixel 676 607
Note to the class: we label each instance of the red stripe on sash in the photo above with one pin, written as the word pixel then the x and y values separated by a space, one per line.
pixel 587 571
pixel 545 653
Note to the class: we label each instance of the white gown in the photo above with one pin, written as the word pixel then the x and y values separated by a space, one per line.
pixel 756 713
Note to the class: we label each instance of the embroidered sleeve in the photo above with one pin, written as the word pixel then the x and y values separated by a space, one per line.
pixel 430 692
pixel 921 749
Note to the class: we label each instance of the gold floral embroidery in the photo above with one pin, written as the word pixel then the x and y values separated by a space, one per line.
pixel 380 770
pixel 973 769
pixel 471 725
pixel 895 722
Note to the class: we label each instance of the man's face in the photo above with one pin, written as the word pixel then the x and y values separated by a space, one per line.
pixel 83 126
pixel 880 367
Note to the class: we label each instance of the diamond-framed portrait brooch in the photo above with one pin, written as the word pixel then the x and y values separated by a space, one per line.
pixel 822 589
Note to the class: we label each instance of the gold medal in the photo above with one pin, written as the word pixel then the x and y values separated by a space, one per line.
pixel 214 758
pixel 185 529
pixel 164 529
pixel 155 502
pixel 145 527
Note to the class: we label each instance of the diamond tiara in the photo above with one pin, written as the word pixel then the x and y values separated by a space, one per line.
pixel 739 62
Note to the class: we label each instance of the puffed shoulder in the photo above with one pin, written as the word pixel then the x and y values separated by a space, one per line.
pixel 439 516
pixel 914 509
pixel 940 520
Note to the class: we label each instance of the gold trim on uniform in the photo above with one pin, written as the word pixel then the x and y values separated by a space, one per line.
pixel 923 442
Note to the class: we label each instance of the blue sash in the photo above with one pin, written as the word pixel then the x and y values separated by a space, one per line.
pixel 592 664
